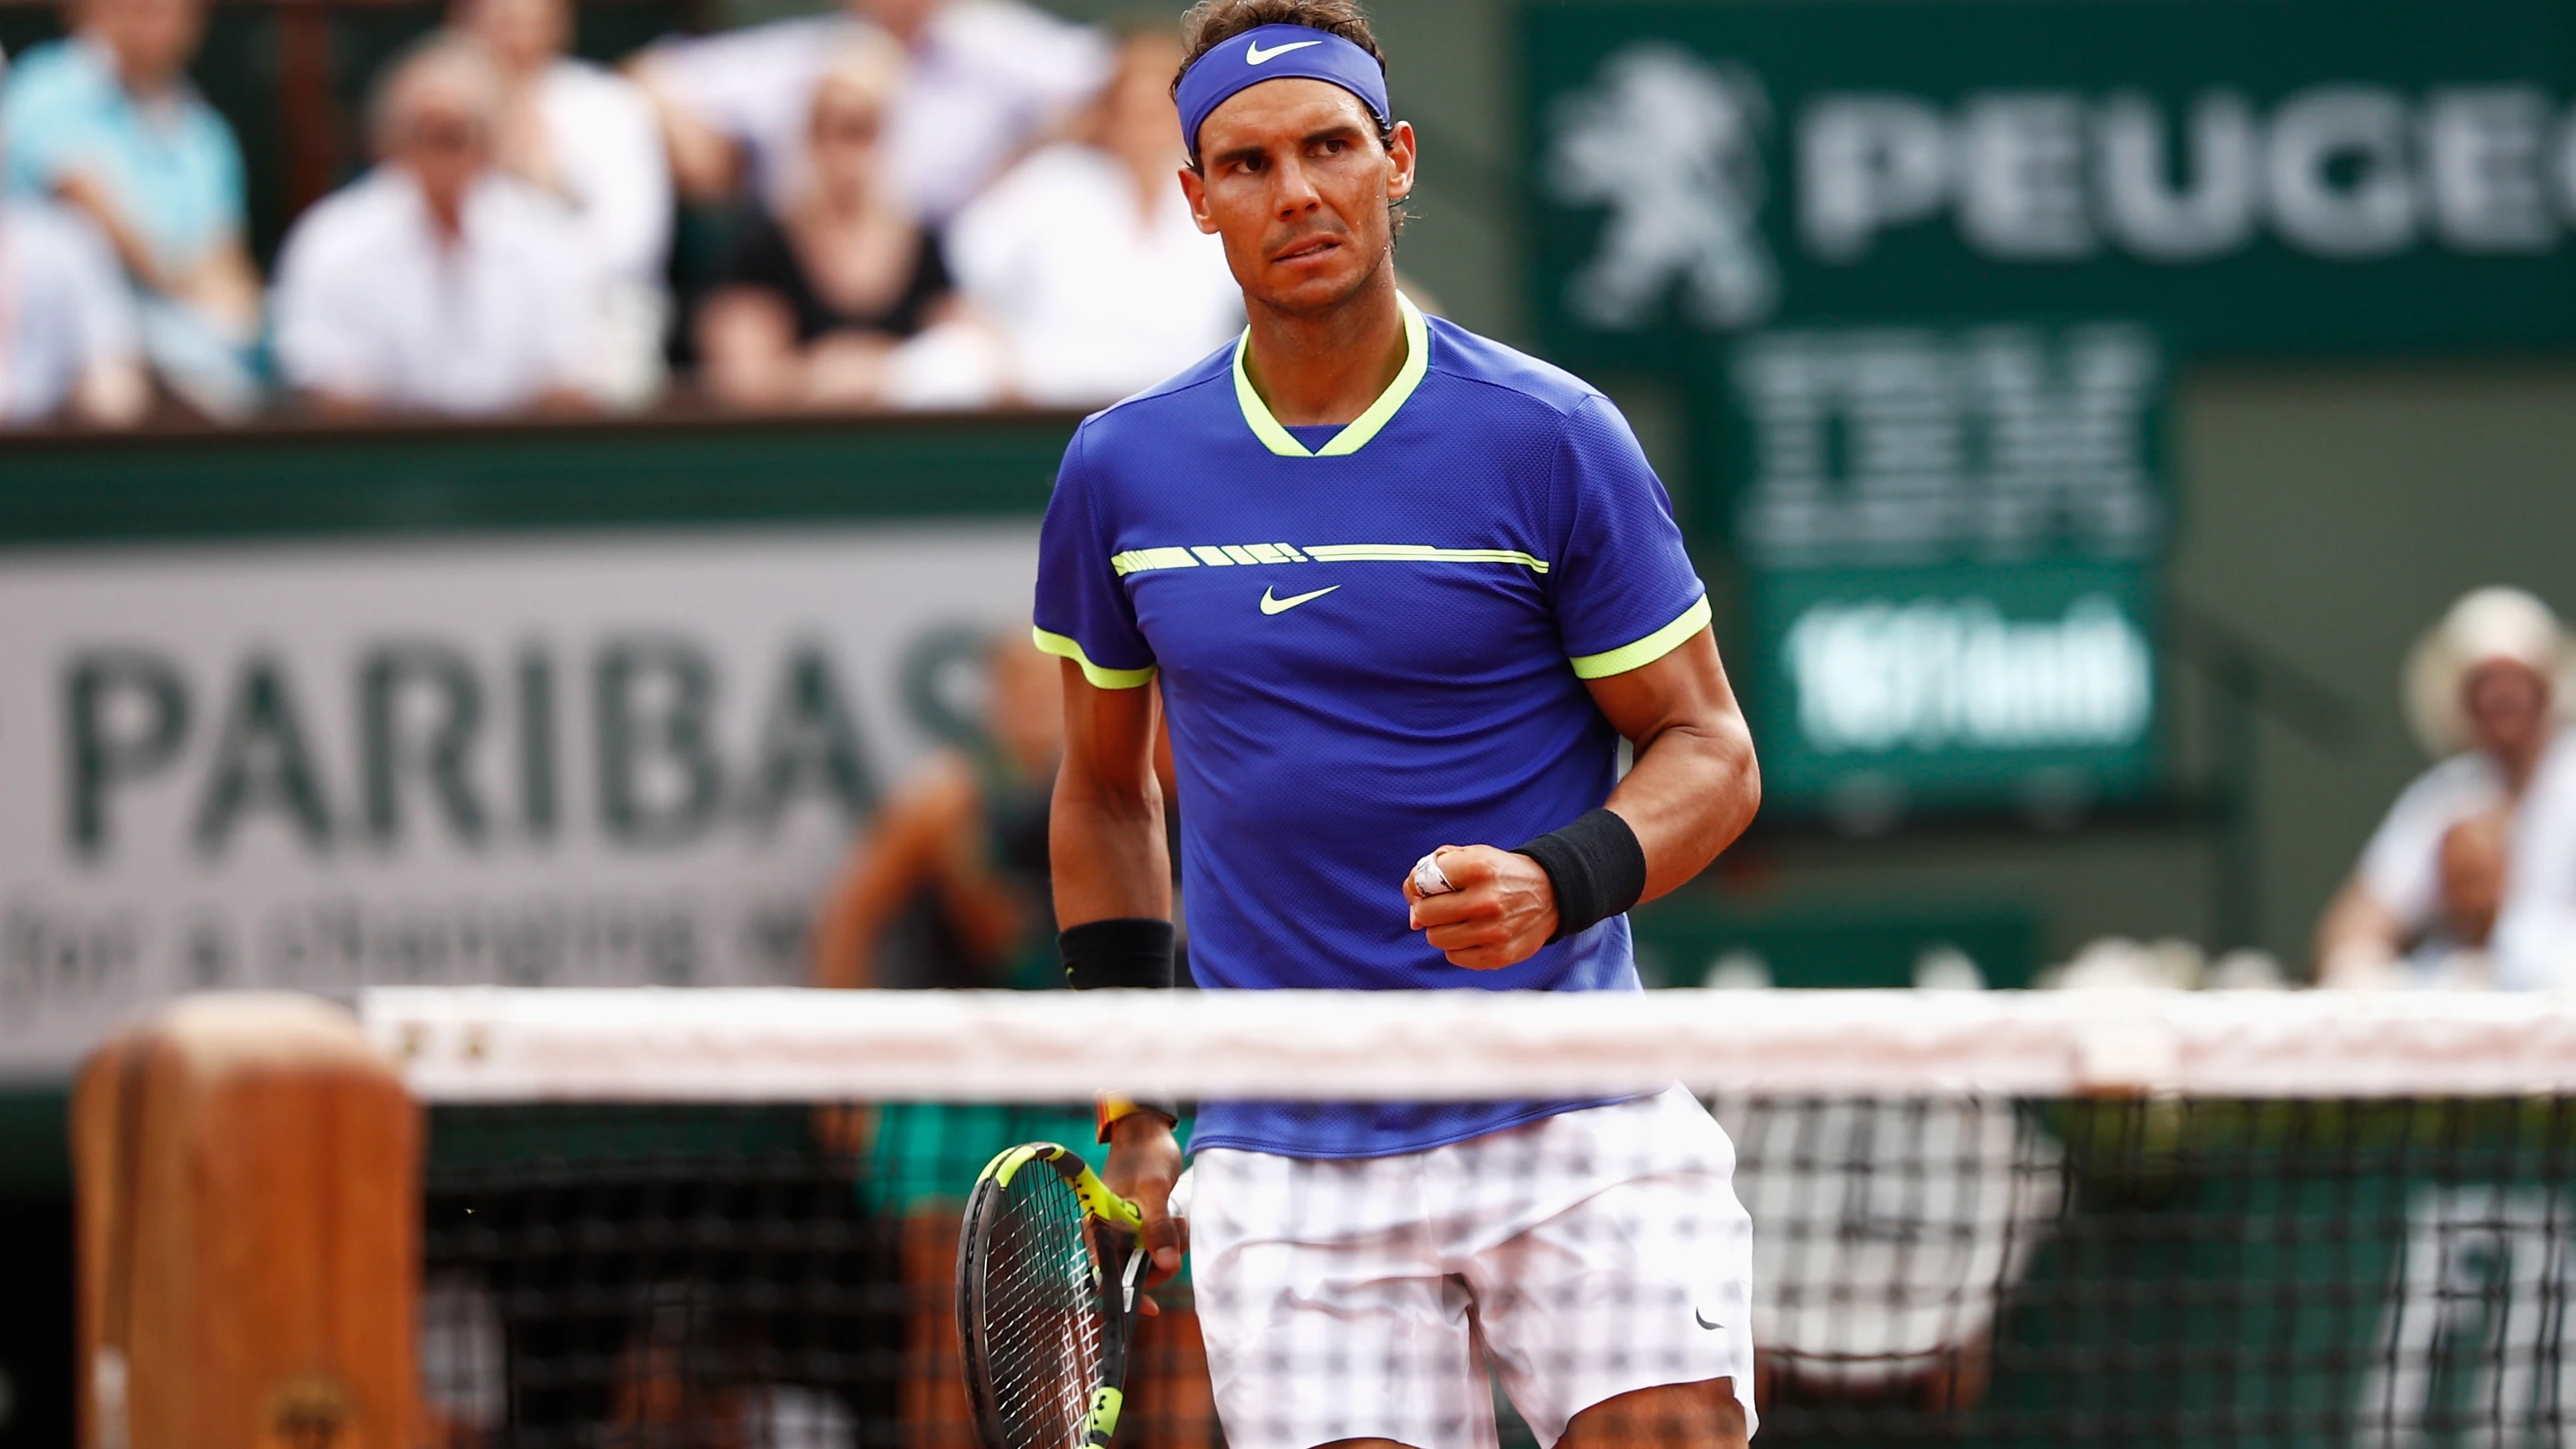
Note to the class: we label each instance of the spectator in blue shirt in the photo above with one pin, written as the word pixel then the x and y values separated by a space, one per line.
pixel 107 122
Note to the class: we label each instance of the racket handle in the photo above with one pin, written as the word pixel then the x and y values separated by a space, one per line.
pixel 1103 1420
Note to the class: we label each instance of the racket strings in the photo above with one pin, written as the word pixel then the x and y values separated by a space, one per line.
pixel 1041 1313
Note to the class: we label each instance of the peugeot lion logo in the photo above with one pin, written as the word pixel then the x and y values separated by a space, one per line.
pixel 1672 146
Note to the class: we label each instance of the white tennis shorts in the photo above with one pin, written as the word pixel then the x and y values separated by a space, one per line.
pixel 1585 1255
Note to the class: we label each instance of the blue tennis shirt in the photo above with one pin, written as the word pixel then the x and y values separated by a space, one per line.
pixel 1372 640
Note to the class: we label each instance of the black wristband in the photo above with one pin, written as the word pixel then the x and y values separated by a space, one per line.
pixel 1597 867
pixel 1128 951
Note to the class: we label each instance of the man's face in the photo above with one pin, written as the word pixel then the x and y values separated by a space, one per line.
pixel 521 34
pixel 443 140
pixel 1293 179
pixel 901 18
pixel 153 39
pixel 2508 706
pixel 1024 705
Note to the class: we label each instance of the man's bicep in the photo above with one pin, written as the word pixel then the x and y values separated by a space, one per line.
pixel 1108 736
pixel 1106 834
pixel 1685 686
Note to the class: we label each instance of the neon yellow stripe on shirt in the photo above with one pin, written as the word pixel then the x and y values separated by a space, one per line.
pixel 1138 560
pixel 1647 650
pixel 1064 648
pixel 1421 553
pixel 1145 560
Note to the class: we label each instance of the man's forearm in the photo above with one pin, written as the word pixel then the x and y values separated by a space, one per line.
pixel 1111 860
pixel 1692 790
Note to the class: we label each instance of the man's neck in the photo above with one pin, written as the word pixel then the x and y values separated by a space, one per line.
pixel 2522 762
pixel 133 80
pixel 446 216
pixel 1325 369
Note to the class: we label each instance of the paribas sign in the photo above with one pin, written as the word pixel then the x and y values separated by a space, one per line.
pixel 609 760
pixel 2405 175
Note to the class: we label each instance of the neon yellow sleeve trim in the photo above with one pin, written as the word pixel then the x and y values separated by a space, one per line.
pixel 1647 650
pixel 1064 648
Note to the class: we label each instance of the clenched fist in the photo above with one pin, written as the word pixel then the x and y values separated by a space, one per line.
pixel 1502 911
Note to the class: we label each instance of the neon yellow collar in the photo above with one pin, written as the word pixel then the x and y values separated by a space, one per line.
pixel 1355 434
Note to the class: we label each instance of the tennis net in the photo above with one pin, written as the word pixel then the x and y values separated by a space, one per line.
pixel 729 1218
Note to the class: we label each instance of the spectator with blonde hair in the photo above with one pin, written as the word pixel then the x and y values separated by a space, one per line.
pixel 435 283
pixel 588 137
pixel 816 304
pixel 2486 689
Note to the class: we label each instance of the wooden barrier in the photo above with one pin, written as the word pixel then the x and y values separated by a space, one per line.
pixel 247 1173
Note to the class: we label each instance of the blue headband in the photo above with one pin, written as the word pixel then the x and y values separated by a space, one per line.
pixel 1277 52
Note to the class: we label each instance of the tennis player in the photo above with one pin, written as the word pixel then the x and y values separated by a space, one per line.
pixel 1404 589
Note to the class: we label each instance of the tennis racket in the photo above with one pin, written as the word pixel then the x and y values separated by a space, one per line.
pixel 1049 1282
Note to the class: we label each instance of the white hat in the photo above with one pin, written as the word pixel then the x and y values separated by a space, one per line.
pixel 2487 626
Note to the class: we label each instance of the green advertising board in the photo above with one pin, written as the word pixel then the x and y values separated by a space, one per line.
pixel 2252 176
pixel 1887 690
pixel 1950 540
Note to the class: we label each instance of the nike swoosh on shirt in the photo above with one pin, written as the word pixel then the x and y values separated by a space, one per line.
pixel 1270 605
pixel 1702 1321
pixel 1253 54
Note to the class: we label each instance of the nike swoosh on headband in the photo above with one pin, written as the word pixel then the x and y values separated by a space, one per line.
pixel 1278 52
pixel 1253 54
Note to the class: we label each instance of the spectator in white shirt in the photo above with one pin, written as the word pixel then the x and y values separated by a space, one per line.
pixel 986 77
pixel 435 283
pixel 1085 257
pixel 2486 689
pixel 588 136
pixel 69 347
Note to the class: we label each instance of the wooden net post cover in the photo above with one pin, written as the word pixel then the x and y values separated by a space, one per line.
pixel 247 1171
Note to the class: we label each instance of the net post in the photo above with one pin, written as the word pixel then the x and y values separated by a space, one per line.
pixel 246 1179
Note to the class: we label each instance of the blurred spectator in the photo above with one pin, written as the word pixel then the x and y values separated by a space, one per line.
pixel 2485 688
pixel 955 878
pixel 588 136
pixel 814 304
pixel 956 865
pixel 986 77
pixel 957 869
pixel 107 121
pixel 67 331
pixel 434 283
pixel 1085 256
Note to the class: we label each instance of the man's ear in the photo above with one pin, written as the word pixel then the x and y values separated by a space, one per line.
pixel 1399 158
pixel 1194 189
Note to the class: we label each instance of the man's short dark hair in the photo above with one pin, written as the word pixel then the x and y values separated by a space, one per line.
pixel 1211 23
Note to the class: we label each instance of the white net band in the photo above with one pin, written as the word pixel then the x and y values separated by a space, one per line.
pixel 480 1044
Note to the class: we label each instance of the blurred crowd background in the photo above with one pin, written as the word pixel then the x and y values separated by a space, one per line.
pixel 904 204
pixel 545 491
